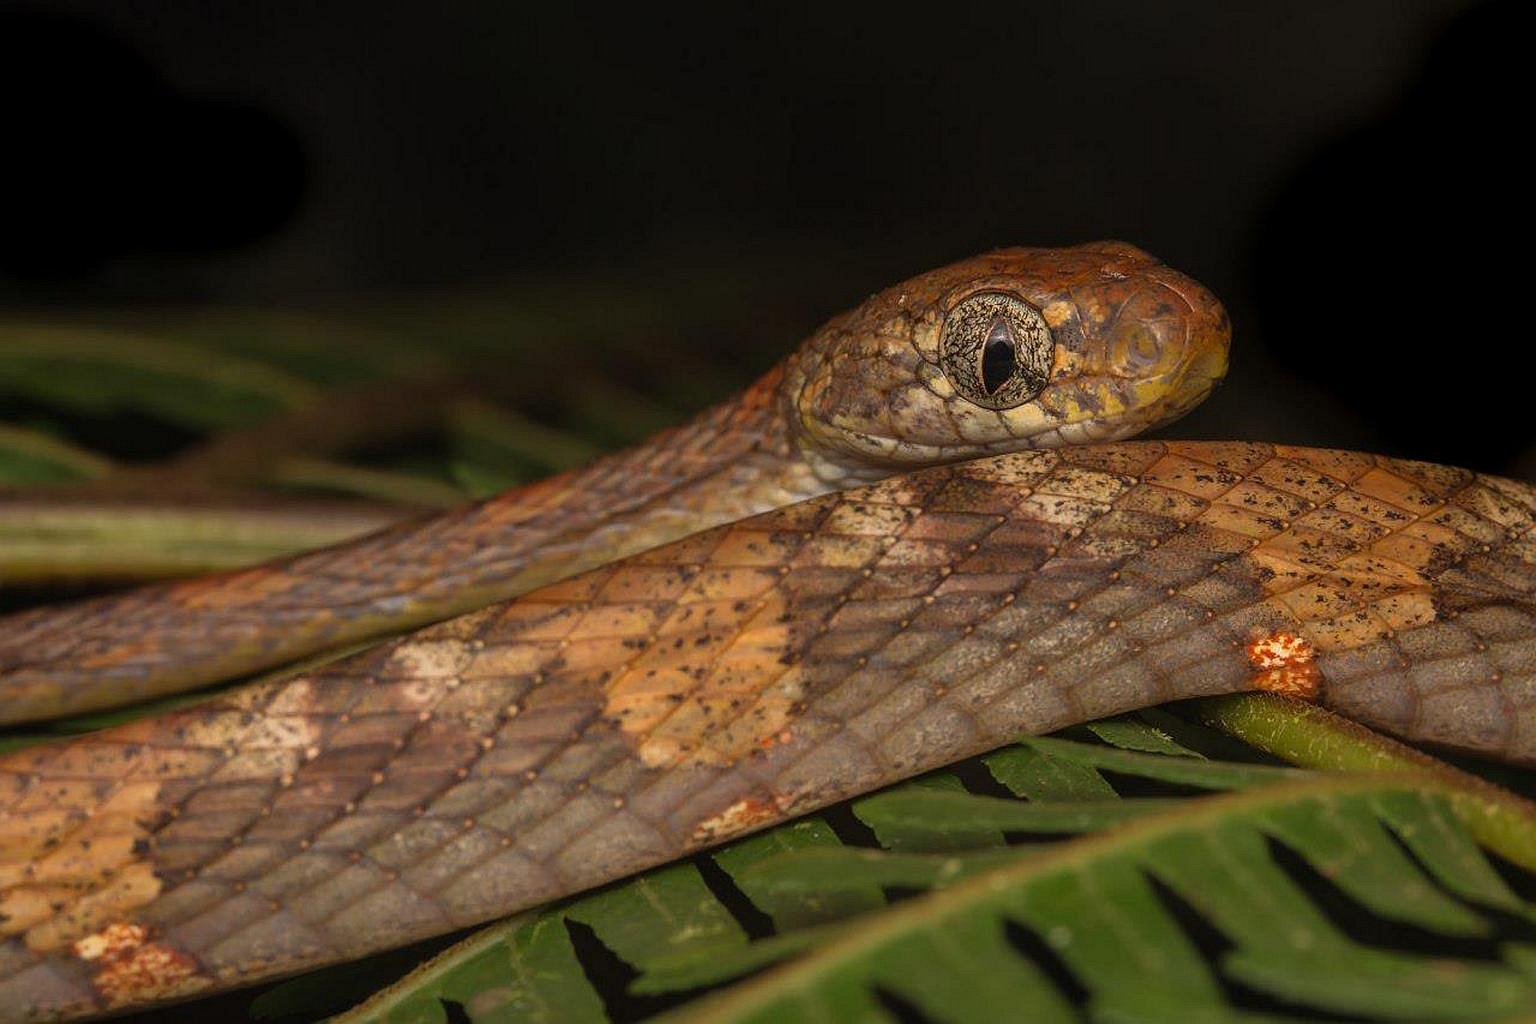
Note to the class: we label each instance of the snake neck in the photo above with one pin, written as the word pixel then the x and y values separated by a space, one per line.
pixel 739 458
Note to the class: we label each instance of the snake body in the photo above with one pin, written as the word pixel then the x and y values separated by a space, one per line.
pixel 660 702
pixel 1136 344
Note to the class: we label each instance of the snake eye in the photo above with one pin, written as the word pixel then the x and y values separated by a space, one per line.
pixel 996 350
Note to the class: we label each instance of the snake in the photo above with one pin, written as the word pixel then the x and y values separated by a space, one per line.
pixel 921 535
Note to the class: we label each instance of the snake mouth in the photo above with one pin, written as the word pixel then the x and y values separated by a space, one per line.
pixel 1205 370
pixel 1188 400
pixel 1193 383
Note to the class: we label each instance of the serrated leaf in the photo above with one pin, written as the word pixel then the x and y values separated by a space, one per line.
pixel 1200 773
pixel 1308 735
pixel 1094 903
pixel 523 970
pixel 791 908
pixel 1091 902
pixel 1131 733
pixel 662 913
pixel 1039 775
pixel 1430 830
pixel 844 868
pixel 1359 856
pixel 931 821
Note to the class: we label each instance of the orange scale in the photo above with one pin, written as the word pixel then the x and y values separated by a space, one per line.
pixel 642 583
pixel 1339 466
pixel 1177 472
pixel 745 548
pixel 1395 490
pixel 839 551
pixel 534 619
pixel 1368 508
pixel 867 519
pixel 503 660
pixel 712 584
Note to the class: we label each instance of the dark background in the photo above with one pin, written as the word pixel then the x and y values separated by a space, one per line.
pixel 1342 174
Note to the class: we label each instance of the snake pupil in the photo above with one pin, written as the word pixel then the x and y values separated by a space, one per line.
pixel 998 360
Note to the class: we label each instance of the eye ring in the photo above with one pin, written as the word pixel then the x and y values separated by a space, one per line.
pixel 996 350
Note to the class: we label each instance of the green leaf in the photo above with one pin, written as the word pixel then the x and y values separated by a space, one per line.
pixel 1132 733
pixel 662 913
pixel 1092 903
pixel 518 970
pixel 914 820
pixel 487 439
pixel 749 861
pixel 1360 856
pixel 379 484
pixel 1308 735
pixel 667 974
pixel 33 457
pixel 848 869
pixel 45 540
pixel 1185 771
pixel 325 348
pixel 1040 775
pixel 1001 921
pixel 99 371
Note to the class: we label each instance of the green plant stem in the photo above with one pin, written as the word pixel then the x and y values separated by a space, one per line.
pixel 1307 735
pixel 78 539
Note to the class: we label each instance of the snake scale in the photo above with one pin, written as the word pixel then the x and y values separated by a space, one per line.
pixel 918 537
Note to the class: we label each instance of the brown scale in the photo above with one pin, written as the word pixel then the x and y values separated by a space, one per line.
pixel 758 670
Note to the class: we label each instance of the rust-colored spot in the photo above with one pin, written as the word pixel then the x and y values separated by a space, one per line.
pixel 742 816
pixel 134 970
pixel 769 742
pixel 111 942
pixel 1286 664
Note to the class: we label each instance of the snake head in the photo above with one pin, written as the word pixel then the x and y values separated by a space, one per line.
pixel 1018 348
